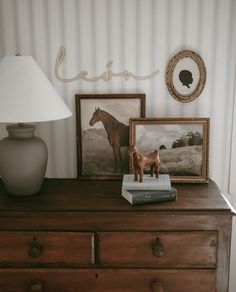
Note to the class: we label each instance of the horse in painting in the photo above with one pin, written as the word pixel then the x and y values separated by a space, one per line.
pixel 117 134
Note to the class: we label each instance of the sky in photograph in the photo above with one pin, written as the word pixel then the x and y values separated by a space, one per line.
pixel 156 135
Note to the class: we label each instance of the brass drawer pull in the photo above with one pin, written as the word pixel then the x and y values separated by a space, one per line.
pixel 157 287
pixel 35 249
pixel 37 286
pixel 157 248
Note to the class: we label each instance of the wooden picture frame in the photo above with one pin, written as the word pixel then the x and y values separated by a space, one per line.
pixel 183 145
pixel 185 76
pixel 99 156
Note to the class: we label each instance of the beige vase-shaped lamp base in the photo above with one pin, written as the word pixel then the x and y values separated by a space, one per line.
pixel 23 160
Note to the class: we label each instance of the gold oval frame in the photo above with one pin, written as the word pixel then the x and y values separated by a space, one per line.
pixel 169 75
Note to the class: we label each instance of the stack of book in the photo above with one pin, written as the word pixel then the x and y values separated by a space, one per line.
pixel 151 190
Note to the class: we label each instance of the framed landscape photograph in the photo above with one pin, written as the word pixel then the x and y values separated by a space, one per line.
pixel 183 145
pixel 186 76
pixel 102 122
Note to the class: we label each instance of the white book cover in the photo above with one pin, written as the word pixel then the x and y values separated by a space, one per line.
pixel 149 183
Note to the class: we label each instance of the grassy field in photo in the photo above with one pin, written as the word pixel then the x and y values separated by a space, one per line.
pixel 182 161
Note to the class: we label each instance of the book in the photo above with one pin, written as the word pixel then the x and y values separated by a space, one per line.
pixel 149 183
pixel 146 197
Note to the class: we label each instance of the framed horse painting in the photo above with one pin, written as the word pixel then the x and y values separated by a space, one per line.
pixel 102 122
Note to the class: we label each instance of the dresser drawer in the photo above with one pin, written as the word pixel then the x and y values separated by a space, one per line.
pixel 160 249
pixel 106 280
pixel 46 248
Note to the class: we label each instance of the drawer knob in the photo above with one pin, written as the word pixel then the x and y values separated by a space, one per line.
pixel 157 287
pixel 157 248
pixel 37 286
pixel 35 249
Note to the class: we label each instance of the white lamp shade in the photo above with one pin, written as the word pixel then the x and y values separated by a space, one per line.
pixel 26 95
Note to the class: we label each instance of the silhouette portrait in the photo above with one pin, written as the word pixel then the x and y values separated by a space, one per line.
pixel 186 78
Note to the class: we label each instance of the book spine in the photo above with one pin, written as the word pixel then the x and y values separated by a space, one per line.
pixel 146 199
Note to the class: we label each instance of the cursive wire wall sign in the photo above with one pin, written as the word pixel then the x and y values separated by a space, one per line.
pixel 106 76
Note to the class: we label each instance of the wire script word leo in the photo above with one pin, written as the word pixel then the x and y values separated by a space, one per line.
pixel 106 76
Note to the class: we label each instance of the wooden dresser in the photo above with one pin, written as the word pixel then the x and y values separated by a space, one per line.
pixel 83 236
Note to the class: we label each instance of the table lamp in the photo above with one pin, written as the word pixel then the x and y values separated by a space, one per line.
pixel 26 96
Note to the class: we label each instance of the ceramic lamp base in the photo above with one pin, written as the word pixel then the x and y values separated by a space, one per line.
pixel 23 160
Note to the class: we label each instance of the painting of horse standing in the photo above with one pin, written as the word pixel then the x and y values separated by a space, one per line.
pixel 117 135
pixel 102 122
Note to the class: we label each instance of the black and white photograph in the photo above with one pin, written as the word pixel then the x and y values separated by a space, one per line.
pixel 182 145
pixel 103 133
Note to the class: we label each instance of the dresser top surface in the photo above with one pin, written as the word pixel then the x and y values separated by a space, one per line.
pixel 73 195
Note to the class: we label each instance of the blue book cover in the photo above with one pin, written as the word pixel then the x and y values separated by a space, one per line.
pixel 145 197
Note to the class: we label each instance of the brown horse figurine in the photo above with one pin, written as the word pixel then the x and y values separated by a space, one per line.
pixel 140 162
pixel 117 134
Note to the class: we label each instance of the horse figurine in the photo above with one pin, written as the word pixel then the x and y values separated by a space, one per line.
pixel 140 162
pixel 117 134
